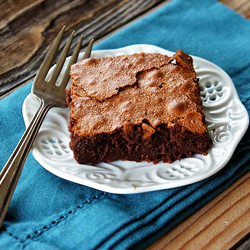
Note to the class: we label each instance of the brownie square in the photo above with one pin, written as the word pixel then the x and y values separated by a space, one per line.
pixel 140 107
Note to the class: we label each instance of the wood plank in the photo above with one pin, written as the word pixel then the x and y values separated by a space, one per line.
pixel 28 27
pixel 224 220
pixel 11 9
pixel 218 225
pixel 240 6
pixel 242 244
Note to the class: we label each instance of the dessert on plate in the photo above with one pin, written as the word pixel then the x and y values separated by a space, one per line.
pixel 140 107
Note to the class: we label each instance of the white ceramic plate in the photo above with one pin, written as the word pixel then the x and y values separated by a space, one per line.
pixel 226 118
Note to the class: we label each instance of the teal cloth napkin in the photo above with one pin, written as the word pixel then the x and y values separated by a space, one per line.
pixel 51 213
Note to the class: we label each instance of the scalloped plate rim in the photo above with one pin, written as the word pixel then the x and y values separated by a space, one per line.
pixel 174 183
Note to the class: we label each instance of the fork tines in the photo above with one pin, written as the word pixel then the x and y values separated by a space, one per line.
pixel 47 62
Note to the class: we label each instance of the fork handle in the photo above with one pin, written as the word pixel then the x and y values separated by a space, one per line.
pixel 11 172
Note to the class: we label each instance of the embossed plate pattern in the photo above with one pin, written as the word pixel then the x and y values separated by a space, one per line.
pixel 226 118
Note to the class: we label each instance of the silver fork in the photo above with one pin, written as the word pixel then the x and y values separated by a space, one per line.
pixel 50 95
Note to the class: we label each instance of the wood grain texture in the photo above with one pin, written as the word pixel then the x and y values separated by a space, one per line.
pixel 240 6
pixel 243 244
pixel 27 28
pixel 218 225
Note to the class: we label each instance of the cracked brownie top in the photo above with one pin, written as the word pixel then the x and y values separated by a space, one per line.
pixel 113 92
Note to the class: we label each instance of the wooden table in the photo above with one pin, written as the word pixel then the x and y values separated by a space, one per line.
pixel 27 27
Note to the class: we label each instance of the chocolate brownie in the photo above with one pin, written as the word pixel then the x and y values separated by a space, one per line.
pixel 136 107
